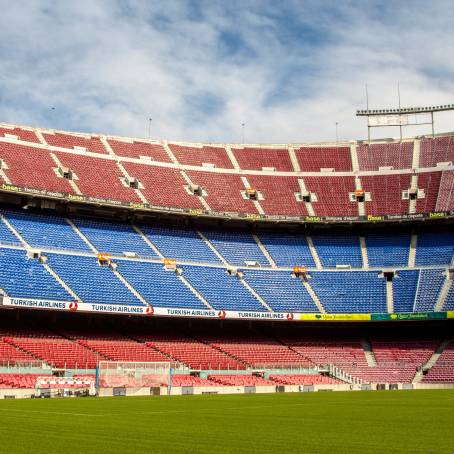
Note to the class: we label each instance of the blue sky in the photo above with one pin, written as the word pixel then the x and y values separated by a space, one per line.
pixel 289 70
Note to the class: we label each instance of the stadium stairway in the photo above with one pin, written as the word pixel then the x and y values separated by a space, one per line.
pixel 264 251
pixel 412 253
pixel 443 295
pixel 431 362
pixel 368 352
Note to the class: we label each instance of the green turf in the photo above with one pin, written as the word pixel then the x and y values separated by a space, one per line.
pixel 355 422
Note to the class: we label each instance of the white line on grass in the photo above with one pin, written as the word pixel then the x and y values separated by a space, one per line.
pixel 51 412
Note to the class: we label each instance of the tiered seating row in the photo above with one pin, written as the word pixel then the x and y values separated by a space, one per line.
pixel 163 186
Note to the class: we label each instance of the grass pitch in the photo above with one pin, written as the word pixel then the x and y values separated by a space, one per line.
pixel 355 422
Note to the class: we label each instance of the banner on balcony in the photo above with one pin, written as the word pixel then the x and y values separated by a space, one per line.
pixel 147 311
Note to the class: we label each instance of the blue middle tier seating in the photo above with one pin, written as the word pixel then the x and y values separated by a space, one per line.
pixel 179 243
pixel 281 291
pixel 92 282
pixel 435 248
pixel 387 250
pixel 159 287
pixel 429 287
pixel 236 247
pixel 287 249
pixel 342 249
pixel 114 238
pixel 222 291
pixel 404 289
pixel 350 291
pixel 22 277
pixel 6 236
pixel 45 231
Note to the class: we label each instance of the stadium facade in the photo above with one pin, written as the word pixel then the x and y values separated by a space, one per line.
pixel 247 267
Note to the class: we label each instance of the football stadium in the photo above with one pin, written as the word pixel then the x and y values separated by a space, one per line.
pixel 172 295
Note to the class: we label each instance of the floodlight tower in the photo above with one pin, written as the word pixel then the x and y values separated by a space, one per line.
pixel 402 116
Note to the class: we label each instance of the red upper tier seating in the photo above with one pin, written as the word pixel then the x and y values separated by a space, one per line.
pixel 308 379
pixel 430 182
pixel 445 199
pixel 223 191
pixel 333 195
pixel 136 149
pixel 386 193
pixel 312 159
pixel 240 380
pixel 279 195
pixel 439 149
pixel 23 134
pixel 163 186
pixel 396 155
pixel 32 168
pixel 256 158
pixel 196 156
pixel 98 177
pixel 92 144
pixel 101 177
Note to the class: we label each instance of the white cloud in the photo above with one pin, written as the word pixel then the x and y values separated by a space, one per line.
pixel 289 71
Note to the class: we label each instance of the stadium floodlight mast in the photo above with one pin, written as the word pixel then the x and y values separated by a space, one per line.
pixel 242 132
pixel 402 116
pixel 149 127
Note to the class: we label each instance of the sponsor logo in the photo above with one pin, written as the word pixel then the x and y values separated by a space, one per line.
pixel 149 310
pixel 221 314
pixel 372 217
pixel 73 306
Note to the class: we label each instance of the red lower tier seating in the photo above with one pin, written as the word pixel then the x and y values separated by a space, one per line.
pixel 324 352
pixel 59 352
pixel 9 354
pixel 23 381
pixel 32 168
pixel 23 134
pixel 333 195
pixel 308 379
pixel 98 177
pixel 403 351
pixel 196 355
pixel 279 195
pixel 240 380
pixel 260 353
pixel 70 141
pixel 396 155
pixel 136 149
pixel 250 158
pixel 386 193
pixel 384 374
pixel 430 183
pixel 197 156
pixel 189 380
pixel 439 149
pixel 163 186
pixel 445 200
pixel 312 159
pixel 223 191
pixel 443 370
pixel 120 350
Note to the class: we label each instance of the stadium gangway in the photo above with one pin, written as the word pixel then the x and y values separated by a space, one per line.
pixel 337 372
